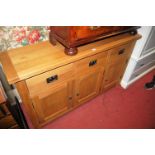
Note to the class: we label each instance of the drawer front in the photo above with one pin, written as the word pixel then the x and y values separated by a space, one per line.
pixel 91 63
pixel 83 32
pixel 47 81
pixel 92 31
pixel 119 53
pixel 143 62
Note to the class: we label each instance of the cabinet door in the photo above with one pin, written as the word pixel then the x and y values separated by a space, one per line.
pixel 88 86
pixel 51 93
pixel 51 104
pixel 113 75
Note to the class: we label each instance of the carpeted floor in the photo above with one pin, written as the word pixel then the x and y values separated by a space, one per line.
pixel 117 108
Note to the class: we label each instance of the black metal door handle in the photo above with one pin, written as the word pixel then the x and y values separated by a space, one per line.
pixel 92 63
pixel 121 51
pixel 52 78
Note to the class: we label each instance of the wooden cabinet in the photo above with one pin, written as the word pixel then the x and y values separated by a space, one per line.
pixel 51 83
pixel 6 119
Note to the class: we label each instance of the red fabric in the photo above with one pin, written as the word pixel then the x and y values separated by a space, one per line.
pixel 117 108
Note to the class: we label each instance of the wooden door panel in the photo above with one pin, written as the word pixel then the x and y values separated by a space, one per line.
pixel 113 75
pixel 55 103
pixel 87 86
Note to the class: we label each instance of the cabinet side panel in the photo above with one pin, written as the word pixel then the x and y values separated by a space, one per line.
pixel 24 94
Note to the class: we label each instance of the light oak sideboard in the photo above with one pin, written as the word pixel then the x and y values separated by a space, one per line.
pixel 51 83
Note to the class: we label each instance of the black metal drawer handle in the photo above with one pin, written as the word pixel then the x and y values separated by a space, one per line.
pixel 121 51
pixel 92 63
pixel 52 78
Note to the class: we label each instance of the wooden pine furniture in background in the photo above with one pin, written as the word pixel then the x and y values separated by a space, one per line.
pixel 6 119
pixel 74 36
pixel 50 83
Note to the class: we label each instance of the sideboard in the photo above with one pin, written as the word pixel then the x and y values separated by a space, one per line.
pixel 51 83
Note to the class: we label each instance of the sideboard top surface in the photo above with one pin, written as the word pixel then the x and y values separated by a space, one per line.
pixel 25 62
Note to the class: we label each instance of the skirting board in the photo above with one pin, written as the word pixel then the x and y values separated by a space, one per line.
pixel 125 84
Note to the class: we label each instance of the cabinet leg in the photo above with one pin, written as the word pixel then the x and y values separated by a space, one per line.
pixel 71 51
pixel 53 41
